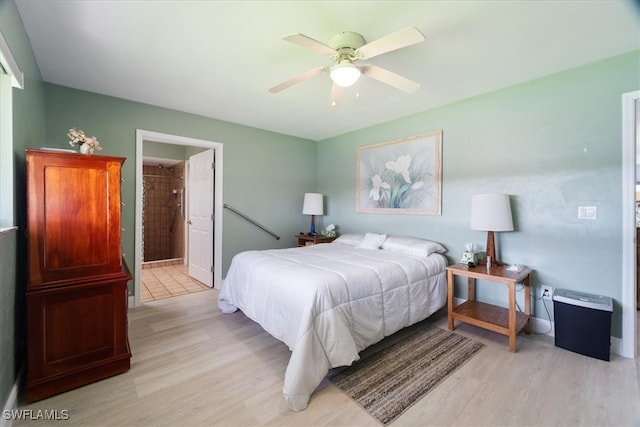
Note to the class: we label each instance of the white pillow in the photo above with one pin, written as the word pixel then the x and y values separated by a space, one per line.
pixel 350 239
pixel 412 246
pixel 372 241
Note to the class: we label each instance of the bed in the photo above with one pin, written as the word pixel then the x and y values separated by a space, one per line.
pixel 328 302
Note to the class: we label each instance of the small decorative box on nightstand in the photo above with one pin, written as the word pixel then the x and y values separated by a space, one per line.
pixel 473 257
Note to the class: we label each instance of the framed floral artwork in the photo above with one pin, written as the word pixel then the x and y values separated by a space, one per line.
pixel 401 176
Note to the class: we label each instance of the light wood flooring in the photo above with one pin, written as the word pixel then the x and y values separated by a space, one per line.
pixel 168 281
pixel 194 366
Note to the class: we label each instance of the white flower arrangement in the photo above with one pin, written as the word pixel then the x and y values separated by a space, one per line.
pixel 330 231
pixel 77 137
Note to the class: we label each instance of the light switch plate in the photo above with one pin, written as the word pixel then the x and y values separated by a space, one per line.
pixel 587 212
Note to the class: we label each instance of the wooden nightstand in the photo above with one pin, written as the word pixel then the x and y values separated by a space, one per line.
pixel 305 240
pixel 505 321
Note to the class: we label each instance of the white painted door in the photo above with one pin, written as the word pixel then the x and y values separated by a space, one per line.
pixel 200 188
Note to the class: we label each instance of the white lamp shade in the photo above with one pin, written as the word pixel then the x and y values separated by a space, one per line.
pixel 345 73
pixel 313 204
pixel 491 212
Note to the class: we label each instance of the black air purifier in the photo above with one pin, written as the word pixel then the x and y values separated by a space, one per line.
pixel 583 323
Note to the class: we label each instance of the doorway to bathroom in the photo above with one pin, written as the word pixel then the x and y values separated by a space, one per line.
pixel 163 245
pixel 164 273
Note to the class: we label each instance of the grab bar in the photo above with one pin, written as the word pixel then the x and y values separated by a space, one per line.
pixel 234 210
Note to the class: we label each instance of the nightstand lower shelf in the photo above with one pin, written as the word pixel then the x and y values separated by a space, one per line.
pixel 488 316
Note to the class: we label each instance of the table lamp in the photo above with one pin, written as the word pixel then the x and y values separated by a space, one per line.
pixel 490 213
pixel 313 206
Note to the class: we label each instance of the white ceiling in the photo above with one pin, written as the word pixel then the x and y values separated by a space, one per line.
pixel 219 58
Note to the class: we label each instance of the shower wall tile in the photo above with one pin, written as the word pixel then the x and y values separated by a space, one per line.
pixel 159 207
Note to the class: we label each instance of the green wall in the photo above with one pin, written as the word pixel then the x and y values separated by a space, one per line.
pixel 553 144
pixel 164 151
pixel 260 178
pixel 28 129
pixel 10 356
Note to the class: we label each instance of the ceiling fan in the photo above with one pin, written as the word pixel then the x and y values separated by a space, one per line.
pixel 346 49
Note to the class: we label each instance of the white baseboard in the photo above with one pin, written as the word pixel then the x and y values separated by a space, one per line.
pixel 542 326
pixel 12 401
pixel 616 346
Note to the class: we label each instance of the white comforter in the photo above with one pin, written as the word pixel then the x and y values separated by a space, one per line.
pixel 328 302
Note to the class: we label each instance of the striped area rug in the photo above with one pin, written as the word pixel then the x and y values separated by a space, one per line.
pixel 388 382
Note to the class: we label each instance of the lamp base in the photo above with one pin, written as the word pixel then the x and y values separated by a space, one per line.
pixel 312 229
pixel 491 251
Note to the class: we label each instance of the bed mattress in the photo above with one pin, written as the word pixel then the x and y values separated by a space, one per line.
pixel 328 302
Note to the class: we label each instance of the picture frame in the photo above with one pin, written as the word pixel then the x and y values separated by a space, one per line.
pixel 403 176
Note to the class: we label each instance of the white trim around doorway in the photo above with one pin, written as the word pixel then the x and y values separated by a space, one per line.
pixel 145 135
pixel 628 345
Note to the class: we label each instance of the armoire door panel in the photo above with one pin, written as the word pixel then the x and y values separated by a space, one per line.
pixel 79 197
pixel 70 338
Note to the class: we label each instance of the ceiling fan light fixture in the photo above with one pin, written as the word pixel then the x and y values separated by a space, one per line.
pixel 345 73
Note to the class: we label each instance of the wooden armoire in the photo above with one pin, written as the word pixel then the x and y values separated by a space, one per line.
pixel 77 278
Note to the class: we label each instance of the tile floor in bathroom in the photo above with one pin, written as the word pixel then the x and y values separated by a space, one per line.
pixel 167 281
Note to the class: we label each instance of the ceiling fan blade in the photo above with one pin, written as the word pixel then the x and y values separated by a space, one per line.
pixel 310 43
pixel 387 77
pixel 393 41
pixel 336 96
pixel 298 79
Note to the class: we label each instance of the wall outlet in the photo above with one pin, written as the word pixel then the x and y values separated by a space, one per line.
pixel 547 292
